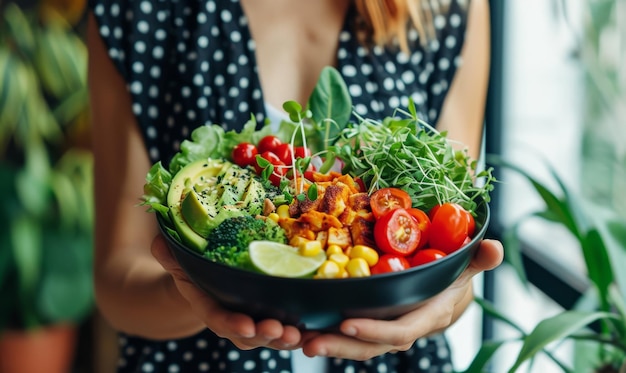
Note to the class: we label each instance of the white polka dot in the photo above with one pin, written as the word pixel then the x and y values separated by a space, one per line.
pixel 185 91
pixel 218 55
pixel 235 36
pixel 151 132
pixel 444 64
pixel 381 368
pixel 413 35
pixel 256 94
pixel 202 102
pixel 388 84
pixel 203 367
pixel 244 82
pixel 233 92
pixel 115 10
pixel 455 20
pixel 182 47
pixel 265 354
pixel 371 87
pixel 226 16
pixel 408 77
pixel 432 114
pixel 129 15
pixel 99 9
pixel 361 109
pixel 143 27
pixel 140 46
pixel 402 58
pixel 434 45
pixel 394 102
pixel 173 368
pixel 187 356
pixel 147 367
pixel 161 15
pixel 284 354
pixel 440 22
pixel 191 115
pixel 136 109
pixel 153 91
pixel 219 80
pixel 153 112
pixel 192 56
pixel 424 363
pixel 118 33
pixel 170 122
pixel 146 7
pixel 355 90
pixel 450 41
pixel 243 107
pixel 203 42
pixel 423 77
pixel 179 22
pixel 171 345
pixel 231 69
pixel 215 31
pixel 416 58
pixel 390 67
pixel 155 72
pixel 229 114
pixel 178 107
pixel 271 364
pixel 344 36
pixel 160 34
pixel 114 53
pixel 233 355
pixel 242 60
pixel 366 69
pixel 198 80
pixel 184 131
pixel 104 31
pixel 138 67
pixel 210 6
pixel 349 70
pixel 249 365
pixel 207 90
pixel 157 52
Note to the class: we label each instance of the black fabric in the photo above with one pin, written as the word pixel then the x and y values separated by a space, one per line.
pixel 189 63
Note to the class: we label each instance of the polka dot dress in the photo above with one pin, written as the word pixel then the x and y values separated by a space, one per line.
pixel 189 63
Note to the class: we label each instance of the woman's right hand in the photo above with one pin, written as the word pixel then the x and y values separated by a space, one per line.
pixel 239 328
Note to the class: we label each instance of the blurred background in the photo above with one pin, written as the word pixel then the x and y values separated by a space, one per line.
pixel 555 133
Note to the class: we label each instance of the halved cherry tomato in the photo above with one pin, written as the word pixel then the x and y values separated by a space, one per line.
pixel 244 154
pixel 284 151
pixel 390 263
pixel 268 144
pixel 423 222
pixel 424 256
pixel 448 228
pixel 397 232
pixel 387 199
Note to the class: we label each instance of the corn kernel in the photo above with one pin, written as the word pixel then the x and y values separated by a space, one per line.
pixel 283 211
pixel 310 248
pixel 340 258
pixel 273 216
pixel 358 267
pixel 333 249
pixel 328 269
pixel 361 251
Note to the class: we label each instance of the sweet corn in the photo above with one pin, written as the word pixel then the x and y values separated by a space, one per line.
pixel 340 258
pixel 365 252
pixel 283 211
pixel 273 216
pixel 328 269
pixel 310 248
pixel 333 249
pixel 358 267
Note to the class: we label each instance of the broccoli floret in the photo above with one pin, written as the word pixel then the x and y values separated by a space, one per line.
pixel 228 242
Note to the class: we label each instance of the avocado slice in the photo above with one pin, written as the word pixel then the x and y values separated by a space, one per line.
pixel 196 174
pixel 253 198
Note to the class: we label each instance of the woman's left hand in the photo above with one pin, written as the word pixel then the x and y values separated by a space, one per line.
pixel 362 339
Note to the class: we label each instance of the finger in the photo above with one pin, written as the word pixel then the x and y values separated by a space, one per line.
pixel 489 256
pixel 336 345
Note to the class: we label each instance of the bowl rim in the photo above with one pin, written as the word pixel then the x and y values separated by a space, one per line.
pixel 407 272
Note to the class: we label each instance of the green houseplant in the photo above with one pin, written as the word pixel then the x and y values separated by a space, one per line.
pixel 595 218
pixel 46 182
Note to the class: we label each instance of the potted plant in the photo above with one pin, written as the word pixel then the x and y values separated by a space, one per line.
pixel 595 218
pixel 46 182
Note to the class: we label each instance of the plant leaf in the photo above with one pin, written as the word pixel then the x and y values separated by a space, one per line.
pixel 491 311
pixel 330 99
pixel 483 356
pixel 552 329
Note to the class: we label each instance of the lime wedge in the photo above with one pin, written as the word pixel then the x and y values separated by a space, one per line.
pixel 282 260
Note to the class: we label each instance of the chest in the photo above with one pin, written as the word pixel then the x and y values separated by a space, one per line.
pixel 294 40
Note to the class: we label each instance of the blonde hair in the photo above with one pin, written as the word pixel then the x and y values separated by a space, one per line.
pixel 386 21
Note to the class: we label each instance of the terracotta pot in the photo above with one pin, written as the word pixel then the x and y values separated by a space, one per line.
pixel 48 349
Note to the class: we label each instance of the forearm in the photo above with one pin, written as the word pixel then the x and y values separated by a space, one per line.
pixel 138 297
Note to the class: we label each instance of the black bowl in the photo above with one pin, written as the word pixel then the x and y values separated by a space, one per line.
pixel 314 304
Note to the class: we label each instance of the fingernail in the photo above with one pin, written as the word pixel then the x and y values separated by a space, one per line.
pixel 349 331
pixel 322 352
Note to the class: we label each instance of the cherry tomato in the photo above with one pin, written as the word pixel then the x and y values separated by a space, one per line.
pixel 448 227
pixel 284 151
pixel 361 184
pixel 397 232
pixel 386 199
pixel 424 256
pixel 471 223
pixel 390 263
pixel 268 144
pixel 423 222
pixel 302 152
pixel 244 154
pixel 276 176
pixel 271 158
